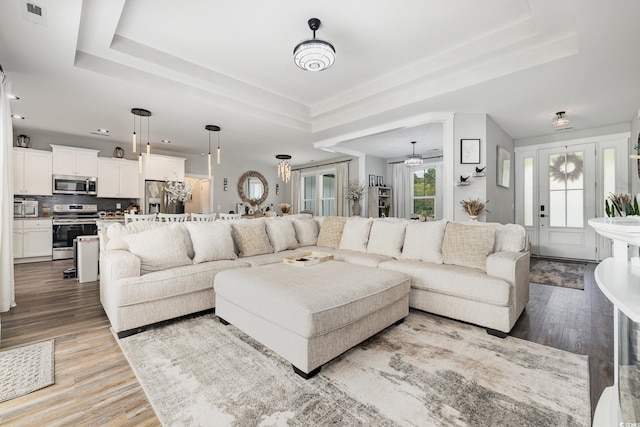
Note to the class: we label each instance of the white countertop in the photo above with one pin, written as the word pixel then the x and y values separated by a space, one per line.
pixel 625 229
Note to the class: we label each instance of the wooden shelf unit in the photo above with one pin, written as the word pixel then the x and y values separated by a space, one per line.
pixel 379 197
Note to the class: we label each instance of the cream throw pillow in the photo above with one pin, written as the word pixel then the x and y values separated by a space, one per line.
pixel 117 231
pixel 212 241
pixel 356 234
pixel 250 236
pixel 423 241
pixel 306 231
pixel 158 249
pixel 331 231
pixel 467 245
pixel 386 238
pixel 282 235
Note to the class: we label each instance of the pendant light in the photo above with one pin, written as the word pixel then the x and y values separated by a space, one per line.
pixel 133 138
pixel 140 112
pixel 212 128
pixel 284 168
pixel 413 159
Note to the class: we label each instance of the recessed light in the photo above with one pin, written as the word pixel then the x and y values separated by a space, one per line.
pixel 17 116
pixel 166 141
pixel 103 130
pixel 13 97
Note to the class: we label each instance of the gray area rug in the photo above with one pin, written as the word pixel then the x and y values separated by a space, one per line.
pixel 426 371
pixel 26 369
pixel 557 273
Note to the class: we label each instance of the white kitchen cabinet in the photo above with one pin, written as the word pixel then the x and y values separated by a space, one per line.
pixel 163 168
pixel 74 161
pixel 31 172
pixel 118 178
pixel 32 238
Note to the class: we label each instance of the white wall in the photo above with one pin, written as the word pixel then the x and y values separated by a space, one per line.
pixel 502 200
pixel 468 126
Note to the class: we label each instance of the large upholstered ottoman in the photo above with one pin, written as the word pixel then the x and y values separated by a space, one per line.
pixel 309 315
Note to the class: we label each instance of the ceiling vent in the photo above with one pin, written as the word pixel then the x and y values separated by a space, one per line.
pixel 33 13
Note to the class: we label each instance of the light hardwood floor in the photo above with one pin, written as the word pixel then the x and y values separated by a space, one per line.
pixel 96 386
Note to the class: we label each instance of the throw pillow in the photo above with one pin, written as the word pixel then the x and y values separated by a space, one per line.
pixel 306 231
pixel 158 249
pixel 182 228
pixel 117 231
pixel 212 241
pixel 423 241
pixel 250 236
pixel 386 238
pixel 282 235
pixel 331 231
pixel 467 245
pixel 356 234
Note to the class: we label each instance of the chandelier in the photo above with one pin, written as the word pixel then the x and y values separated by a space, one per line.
pixel 212 128
pixel 560 120
pixel 413 159
pixel 314 54
pixel 284 168
pixel 140 112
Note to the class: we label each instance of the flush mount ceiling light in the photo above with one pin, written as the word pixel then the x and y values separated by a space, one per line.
pixel 560 120
pixel 314 54
pixel 284 168
pixel 140 112
pixel 212 128
pixel 413 159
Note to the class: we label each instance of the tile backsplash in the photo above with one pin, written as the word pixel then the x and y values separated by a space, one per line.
pixel 104 204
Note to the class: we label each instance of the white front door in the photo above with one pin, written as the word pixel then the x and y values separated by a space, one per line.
pixel 567 179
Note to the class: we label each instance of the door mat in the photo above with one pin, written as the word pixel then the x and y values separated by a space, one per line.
pixel 26 369
pixel 557 273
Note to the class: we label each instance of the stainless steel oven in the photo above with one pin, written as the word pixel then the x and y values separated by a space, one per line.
pixel 69 222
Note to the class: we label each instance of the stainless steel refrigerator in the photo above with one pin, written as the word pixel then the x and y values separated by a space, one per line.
pixel 155 200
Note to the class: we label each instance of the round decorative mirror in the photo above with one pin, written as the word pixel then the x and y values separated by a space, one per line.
pixel 253 188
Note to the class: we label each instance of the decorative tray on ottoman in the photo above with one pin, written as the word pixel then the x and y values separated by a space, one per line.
pixel 307 258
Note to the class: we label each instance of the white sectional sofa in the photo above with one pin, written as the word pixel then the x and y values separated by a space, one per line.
pixel 474 272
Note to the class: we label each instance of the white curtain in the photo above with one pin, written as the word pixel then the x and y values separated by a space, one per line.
pixel 401 189
pixel 7 293
pixel 342 178
pixel 295 191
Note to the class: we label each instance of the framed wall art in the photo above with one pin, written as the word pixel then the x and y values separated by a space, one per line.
pixel 372 180
pixel 379 183
pixel 470 151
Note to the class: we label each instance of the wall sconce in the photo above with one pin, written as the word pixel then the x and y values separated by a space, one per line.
pixel 277 189
pixel 224 184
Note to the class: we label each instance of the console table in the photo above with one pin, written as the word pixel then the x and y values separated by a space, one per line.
pixel 619 279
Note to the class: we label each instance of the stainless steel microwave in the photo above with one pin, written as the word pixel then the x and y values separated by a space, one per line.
pixel 68 184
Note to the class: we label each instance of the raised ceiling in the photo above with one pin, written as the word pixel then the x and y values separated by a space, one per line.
pixel 230 63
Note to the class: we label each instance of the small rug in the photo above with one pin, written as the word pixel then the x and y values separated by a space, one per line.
pixel 426 371
pixel 26 369
pixel 557 273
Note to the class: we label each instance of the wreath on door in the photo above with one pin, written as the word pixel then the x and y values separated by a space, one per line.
pixel 569 167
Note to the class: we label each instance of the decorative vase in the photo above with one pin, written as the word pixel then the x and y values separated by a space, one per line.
pixel 179 207
pixel 355 208
pixel 473 217
pixel 118 153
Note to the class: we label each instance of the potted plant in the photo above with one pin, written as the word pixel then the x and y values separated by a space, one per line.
pixel 355 191
pixel 285 208
pixel 474 207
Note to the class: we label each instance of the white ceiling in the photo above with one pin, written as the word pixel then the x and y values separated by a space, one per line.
pixel 198 62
